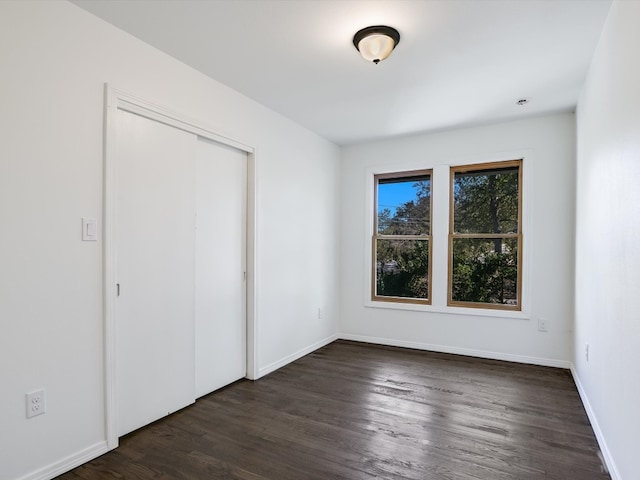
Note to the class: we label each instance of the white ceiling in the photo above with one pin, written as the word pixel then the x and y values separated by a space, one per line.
pixel 458 63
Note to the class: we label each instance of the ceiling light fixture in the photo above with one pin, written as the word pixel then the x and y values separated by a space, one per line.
pixel 376 43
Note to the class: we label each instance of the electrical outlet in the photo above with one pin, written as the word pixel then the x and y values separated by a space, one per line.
pixel 542 325
pixel 586 351
pixel 35 403
pixel 319 314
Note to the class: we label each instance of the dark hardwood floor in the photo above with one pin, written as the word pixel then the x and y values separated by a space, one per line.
pixel 356 411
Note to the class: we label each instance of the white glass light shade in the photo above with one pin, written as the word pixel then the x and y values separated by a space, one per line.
pixel 376 47
pixel 376 43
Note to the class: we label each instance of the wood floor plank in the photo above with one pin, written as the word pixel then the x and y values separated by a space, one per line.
pixel 352 411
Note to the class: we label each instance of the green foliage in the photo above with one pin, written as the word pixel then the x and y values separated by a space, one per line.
pixel 402 268
pixel 484 270
pixel 486 202
pixel 403 265
pixel 482 275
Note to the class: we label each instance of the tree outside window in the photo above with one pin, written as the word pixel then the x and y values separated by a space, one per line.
pixel 402 237
pixel 485 240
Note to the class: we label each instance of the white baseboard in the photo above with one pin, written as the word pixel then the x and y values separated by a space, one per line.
pixel 546 362
pixel 295 356
pixel 68 463
pixel 606 454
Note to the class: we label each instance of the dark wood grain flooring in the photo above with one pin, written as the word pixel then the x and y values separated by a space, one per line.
pixel 356 411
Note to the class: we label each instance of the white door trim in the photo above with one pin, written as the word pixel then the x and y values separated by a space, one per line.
pixel 119 100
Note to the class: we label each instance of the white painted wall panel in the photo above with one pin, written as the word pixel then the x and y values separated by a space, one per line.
pixel 548 143
pixel 607 233
pixel 56 58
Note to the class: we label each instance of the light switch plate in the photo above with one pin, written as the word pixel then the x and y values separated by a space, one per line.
pixel 89 230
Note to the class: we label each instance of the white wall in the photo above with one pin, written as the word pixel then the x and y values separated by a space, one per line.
pixel 607 240
pixel 549 147
pixel 55 59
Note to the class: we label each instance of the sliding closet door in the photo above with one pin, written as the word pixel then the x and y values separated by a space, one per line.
pixel 220 265
pixel 155 239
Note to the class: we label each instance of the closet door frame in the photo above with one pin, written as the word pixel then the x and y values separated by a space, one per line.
pixel 115 100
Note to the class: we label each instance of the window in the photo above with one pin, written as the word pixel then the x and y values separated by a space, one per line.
pixel 402 237
pixel 485 236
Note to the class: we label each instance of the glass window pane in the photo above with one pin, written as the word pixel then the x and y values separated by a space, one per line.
pixel 404 205
pixel 485 270
pixel 486 201
pixel 402 268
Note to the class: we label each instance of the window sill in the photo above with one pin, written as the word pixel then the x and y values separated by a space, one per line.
pixel 474 312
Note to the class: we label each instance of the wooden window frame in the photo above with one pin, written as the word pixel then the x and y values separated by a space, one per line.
pixel 452 235
pixel 376 236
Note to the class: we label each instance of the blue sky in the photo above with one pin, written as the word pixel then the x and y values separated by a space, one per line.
pixel 392 195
